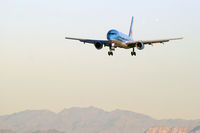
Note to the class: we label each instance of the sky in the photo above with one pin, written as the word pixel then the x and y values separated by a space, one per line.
pixel 39 69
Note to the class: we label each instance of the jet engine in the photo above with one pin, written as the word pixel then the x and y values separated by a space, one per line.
pixel 98 45
pixel 140 45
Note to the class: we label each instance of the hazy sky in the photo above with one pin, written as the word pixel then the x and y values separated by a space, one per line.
pixel 39 69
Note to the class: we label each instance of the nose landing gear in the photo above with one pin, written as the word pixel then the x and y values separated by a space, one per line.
pixel 110 53
pixel 112 48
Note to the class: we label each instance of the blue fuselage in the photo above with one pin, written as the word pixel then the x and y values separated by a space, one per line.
pixel 118 38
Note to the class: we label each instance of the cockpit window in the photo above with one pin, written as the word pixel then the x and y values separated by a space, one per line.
pixel 112 33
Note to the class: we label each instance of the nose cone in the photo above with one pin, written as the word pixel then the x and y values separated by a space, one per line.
pixel 109 36
pixel 112 34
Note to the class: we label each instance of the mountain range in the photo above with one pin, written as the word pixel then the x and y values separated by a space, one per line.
pixel 86 120
pixel 161 129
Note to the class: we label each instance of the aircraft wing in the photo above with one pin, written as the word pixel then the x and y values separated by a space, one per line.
pixel 150 42
pixel 105 42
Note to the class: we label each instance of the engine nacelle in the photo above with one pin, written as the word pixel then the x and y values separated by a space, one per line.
pixel 140 45
pixel 98 45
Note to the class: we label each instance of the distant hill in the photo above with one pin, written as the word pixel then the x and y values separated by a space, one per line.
pixel 6 131
pixel 161 129
pixel 86 120
pixel 44 131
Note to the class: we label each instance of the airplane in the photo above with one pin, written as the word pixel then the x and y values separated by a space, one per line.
pixel 117 39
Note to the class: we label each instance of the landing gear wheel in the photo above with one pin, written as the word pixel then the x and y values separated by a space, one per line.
pixel 133 53
pixel 110 53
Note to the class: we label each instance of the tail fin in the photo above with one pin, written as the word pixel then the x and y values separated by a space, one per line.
pixel 131 31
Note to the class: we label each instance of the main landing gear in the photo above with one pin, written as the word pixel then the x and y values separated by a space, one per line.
pixel 133 52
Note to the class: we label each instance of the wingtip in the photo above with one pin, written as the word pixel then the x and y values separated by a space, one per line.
pixel 67 37
pixel 179 38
